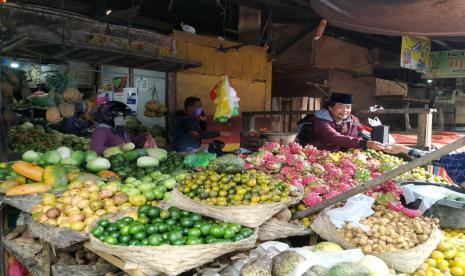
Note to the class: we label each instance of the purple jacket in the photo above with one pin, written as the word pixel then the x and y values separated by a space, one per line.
pixel 326 137
pixel 104 137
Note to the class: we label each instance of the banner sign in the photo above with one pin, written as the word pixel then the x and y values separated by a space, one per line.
pixel 447 64
pixel 415 53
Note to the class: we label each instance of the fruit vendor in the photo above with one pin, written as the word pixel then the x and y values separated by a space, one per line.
pixel 190 127
pixel 453 163
pixel 334 128
pixel 112 131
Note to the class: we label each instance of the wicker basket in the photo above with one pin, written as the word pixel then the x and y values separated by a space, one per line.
pixel 171 260
pixel 406 261
pixel 276 229
pixel 55 236
pixel 250 216
pixel 23 203
pixel 280 138
pixel 82 270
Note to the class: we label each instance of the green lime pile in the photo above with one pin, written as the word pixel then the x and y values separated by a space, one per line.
pixel 155 227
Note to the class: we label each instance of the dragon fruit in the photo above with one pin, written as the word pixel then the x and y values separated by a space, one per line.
pixel 411 213
pixel 395 206
pixel 271 146
pixel 295 148
pixel 312 198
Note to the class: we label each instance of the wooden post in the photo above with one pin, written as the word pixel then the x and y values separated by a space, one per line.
pixel 45 259
pixel 383 178
pixel 170 99
pixel 425 129
pixel 296 105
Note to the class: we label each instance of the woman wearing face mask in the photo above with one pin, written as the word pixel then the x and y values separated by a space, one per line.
pixel 112 131
pixel 335 129
pixel 190 127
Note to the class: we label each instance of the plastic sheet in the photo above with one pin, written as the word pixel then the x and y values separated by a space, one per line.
pixel 428 194
pixel 356 208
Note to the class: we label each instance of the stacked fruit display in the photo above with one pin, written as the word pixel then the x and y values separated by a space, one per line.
pixel 124 164
pixel 389 230
pixel 245 188
pixel 35 137
pixel 324 174
pixel 82 203
pixel 447 259
pixel 154 226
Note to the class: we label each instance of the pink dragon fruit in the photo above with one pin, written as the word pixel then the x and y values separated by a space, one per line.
pixel 395 206
pixel 321 189
pixel 411 213
pixel 296 182
pixel 268 156
pixel 271 146
pixel 295 148
pixel 344 187
pixel 312 198
pixel 331 194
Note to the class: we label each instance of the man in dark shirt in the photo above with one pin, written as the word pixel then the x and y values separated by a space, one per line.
pixel 189 130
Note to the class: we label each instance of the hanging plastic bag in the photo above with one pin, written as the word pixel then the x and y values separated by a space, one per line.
pixel 150 142
pixel 224 96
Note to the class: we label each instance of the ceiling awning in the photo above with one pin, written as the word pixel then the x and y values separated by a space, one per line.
pixel 35 33
pixel 393 17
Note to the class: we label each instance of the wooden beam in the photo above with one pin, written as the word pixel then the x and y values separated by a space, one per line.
pixel 249 27
pixel 293 40
pixel 383 178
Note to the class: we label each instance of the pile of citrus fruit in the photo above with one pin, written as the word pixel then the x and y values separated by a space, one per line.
pixel 447 259
pixel 247 188
pixel 454 233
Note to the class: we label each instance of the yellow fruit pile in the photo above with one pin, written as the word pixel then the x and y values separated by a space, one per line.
pixel 447 259
pixel 306 221
pixel 454 233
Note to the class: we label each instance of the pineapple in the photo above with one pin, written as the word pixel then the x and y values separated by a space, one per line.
pixel 53 114
pixel 71 95
pixel 66 109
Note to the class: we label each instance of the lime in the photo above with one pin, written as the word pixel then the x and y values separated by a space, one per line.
pixel 181 241
pixel 135 228
pixel 151 229
pixel 143 220
pixel 194 232
pixel 246 232
pixel 193 240
pixel 198 224
pixel 175 214
pixel 196 217
pixel 149 195
pixel 216 231
pixel 162 227
pixel 97 231
pixel 111 240
pixel 186 222
pixel 145 242
pixel 140 235
pixel 104 223
pixel 134 242
pixel 124 239
pixel 121 223
pixel 185 213
pixel 170 221
pixel 127 219
pixel 155 240
pixel 238 237
pixel 153 212
pixel 124 230
pixel 143 209
pixel 205 228
pixel 115 234
pixel 174 235
pixel 165 214
pixel 210 240
pixel 112 227
pixel 235 227
pixel 229 233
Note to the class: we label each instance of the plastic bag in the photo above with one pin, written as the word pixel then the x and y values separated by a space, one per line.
pixel 200 159
pixel 150 142
pixel 356 208
pixel 226 101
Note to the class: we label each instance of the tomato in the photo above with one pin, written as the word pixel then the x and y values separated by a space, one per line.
pixel 216 231
pixel 194 232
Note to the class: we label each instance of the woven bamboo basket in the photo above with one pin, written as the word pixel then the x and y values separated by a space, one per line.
pixel 23 203
pixel 55 236
pixel 406 261
pixel 82 270
pixel 168 259
pixel 250 216
pixel 276 229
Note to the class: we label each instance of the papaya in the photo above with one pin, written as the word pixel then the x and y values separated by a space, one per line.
pixel 54 176
pixel 28 189
pixel 28 170
pixel 108 173
pixel 4 186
